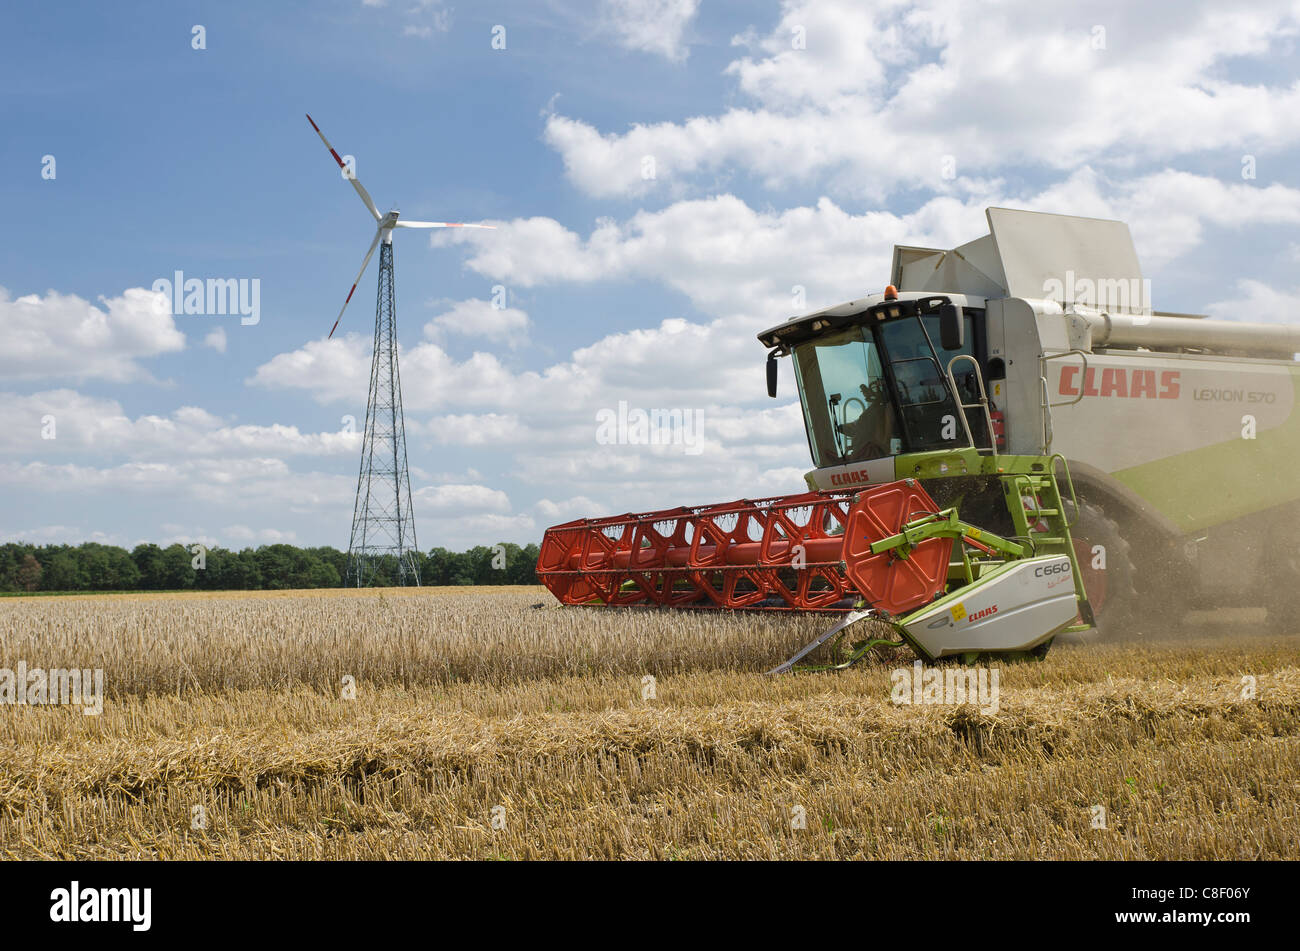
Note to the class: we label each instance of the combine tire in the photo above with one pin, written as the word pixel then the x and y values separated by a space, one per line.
pixel 1111 591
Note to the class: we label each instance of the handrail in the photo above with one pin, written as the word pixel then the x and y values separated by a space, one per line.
pixel 1045 400
pixel 1069 481
pixel 982 404
pixel 1056 356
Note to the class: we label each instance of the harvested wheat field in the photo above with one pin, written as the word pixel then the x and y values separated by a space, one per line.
pixel 483 727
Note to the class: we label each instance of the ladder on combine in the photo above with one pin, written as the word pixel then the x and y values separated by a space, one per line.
pixel 1044 518
pixel 1033 499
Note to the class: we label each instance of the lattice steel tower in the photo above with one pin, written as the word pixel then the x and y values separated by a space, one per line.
pixel 383 526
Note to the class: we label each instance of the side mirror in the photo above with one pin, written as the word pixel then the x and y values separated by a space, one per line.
pixel 771 374
pixel 952 327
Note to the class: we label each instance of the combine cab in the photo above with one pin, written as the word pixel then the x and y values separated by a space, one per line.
pixel 939 504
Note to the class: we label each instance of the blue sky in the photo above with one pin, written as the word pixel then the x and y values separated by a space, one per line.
pixel 777 166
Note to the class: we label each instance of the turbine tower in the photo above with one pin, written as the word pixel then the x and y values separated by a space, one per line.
pixel 383 525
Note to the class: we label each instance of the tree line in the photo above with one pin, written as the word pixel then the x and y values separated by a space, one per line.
pixel 95 567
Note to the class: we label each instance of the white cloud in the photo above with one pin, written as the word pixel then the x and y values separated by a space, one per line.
pixel 85 423
pixel 467 475
pixel 731 259
pixel 677 363
pixel 337 370
pixel 333 369
pixel 882 94
pixel 64 336
pixel 459 499
pixel 258 484
pixel 480 318
pixel 175 535
pixel 484 429
pixel 820 53
pixel 650 26
pixel 1257 302
pixel 242 534
pixel 727 257
pixel 55 535
pixel 567 510
pixel 457 516
pixel 216 339
pixel 458 532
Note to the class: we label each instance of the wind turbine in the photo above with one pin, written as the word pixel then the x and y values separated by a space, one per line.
pixel 382 521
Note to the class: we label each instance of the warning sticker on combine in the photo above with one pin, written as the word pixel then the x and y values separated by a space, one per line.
pixel 958 611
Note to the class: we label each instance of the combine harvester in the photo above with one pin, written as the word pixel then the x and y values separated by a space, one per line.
pixel 1010 444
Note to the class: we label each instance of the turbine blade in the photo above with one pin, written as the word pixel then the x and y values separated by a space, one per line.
pixel 365 195
pixel 378 234
pixel 440 224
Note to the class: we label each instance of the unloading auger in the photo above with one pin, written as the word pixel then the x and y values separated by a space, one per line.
pixel 888 553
